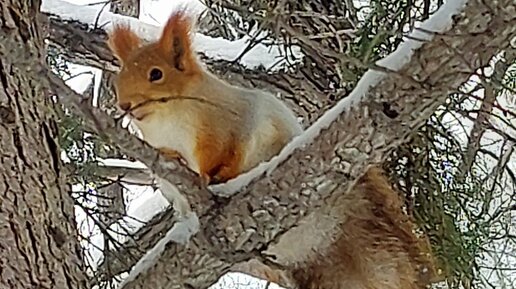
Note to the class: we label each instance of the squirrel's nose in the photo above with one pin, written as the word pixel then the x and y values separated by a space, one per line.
pixel 125 106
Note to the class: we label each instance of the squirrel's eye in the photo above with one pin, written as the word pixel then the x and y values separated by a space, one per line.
pixel 155 75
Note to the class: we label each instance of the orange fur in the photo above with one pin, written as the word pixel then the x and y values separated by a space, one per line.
pixel 173 49
pixel 377 247
pixel 170 154
pixel 218 129
pixel 175 40
pixel 219 159
pixel 123 42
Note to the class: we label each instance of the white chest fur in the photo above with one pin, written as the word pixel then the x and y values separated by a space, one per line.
pixel 176 132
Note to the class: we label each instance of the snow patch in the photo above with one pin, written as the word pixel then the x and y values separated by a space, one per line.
pixel 143 208
pixel 121 163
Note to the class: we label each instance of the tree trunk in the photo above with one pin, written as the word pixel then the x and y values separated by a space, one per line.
pixel 38 241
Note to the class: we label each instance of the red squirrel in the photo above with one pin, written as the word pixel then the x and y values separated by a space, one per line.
pixel 222 130
pixel 186 112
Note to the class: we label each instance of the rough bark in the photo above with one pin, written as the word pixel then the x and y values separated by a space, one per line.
pixel 38 240
pixel 126 7
pixel 251 222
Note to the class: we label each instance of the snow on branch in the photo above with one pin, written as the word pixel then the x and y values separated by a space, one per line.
pixel 215 48
pixel 437 23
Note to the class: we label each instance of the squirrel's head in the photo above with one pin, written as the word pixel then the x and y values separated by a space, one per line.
pixel 160 70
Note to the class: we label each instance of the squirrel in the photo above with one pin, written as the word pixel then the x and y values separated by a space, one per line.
pixel 186 112
pixel 221 131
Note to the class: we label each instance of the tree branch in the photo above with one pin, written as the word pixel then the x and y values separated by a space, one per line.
pixel 314 180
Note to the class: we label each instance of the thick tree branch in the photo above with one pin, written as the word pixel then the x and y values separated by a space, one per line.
pixel 39 246
pixel 315 179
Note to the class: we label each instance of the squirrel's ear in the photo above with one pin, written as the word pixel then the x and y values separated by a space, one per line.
pixel 122 42
pixel 175 41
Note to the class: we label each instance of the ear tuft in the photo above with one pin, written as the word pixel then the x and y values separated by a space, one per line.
pixel 175 41
pixel 122 42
